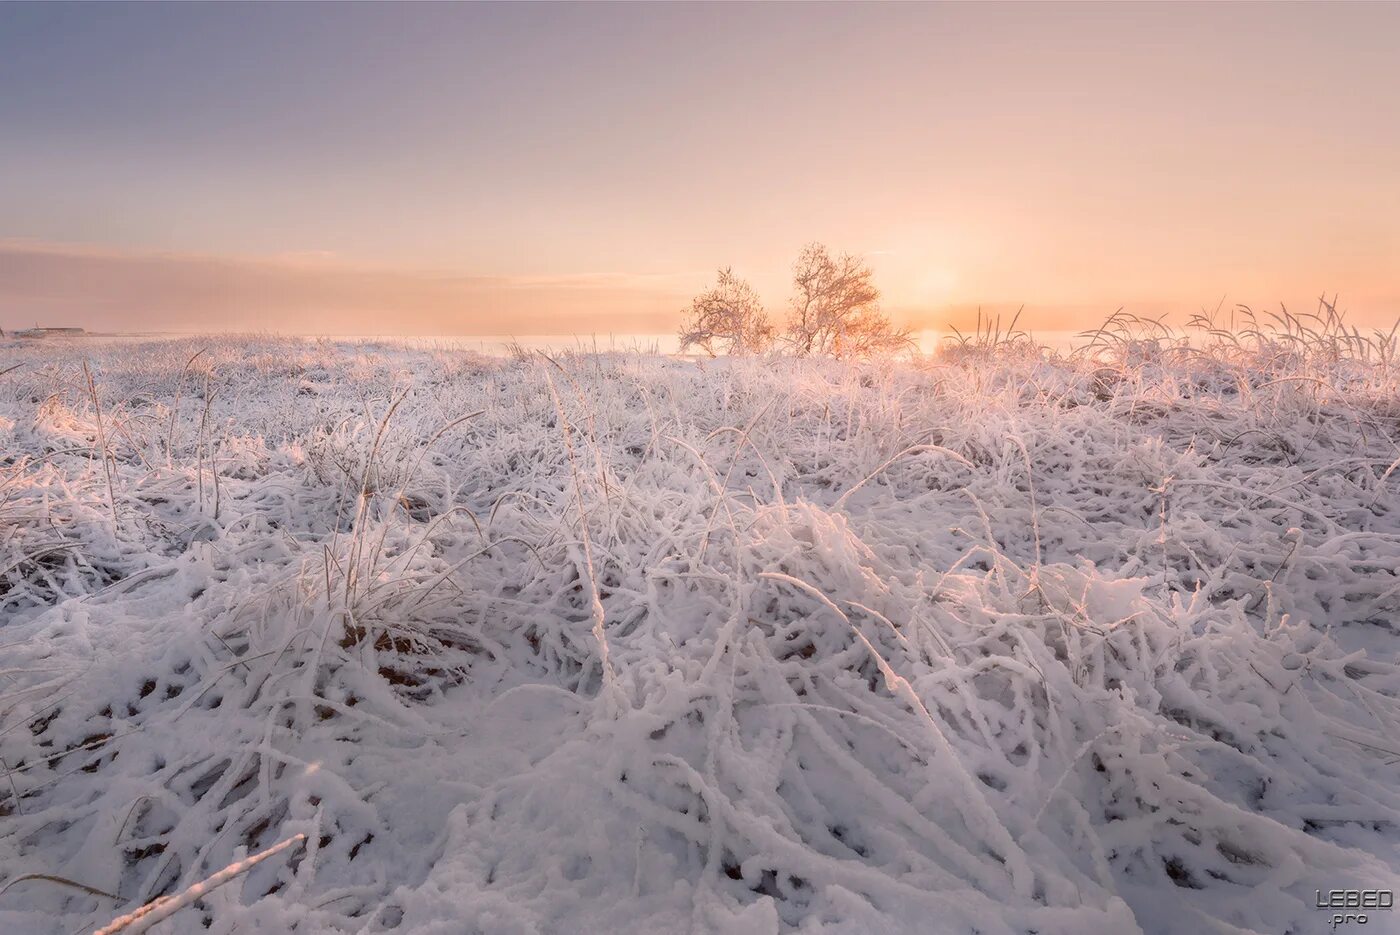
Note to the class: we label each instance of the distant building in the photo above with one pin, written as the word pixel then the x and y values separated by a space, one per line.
pixel 48 333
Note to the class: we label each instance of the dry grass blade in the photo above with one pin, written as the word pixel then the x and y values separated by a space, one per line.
pixel 62 881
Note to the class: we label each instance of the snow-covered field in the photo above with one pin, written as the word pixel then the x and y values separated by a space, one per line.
pixel 992 643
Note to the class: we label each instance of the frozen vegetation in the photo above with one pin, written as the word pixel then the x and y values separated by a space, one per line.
pixel 995 642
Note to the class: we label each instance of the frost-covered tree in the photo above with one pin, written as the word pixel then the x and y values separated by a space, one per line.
pixel 835 308
pixel 727 319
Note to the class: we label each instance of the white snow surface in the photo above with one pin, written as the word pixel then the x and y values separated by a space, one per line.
pixel 995 642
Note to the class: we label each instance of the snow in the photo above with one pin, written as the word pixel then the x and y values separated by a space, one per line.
pixel 994 642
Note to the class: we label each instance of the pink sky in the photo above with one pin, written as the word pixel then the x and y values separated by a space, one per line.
pixel 486 169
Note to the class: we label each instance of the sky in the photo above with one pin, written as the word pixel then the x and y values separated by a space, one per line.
pixel 443 169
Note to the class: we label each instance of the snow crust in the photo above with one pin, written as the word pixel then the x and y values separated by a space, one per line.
pixel 989 643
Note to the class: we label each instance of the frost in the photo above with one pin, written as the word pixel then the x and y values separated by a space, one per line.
pixel 993 642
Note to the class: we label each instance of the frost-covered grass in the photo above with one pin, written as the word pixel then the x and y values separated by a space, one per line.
pixel 995 642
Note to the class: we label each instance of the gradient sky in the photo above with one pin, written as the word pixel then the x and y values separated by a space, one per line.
pixel 490 169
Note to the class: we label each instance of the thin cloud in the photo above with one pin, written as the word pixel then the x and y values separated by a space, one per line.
pixel 109 289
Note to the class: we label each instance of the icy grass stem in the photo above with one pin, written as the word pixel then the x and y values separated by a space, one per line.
pixel 148 915
pixel 102 444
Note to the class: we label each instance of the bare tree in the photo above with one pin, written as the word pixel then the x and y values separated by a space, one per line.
pixel 727 319
pixel 836 308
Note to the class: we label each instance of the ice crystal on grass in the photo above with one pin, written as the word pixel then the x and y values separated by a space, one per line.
pixel 994 642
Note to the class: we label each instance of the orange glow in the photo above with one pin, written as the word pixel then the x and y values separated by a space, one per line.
pixel 524 169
